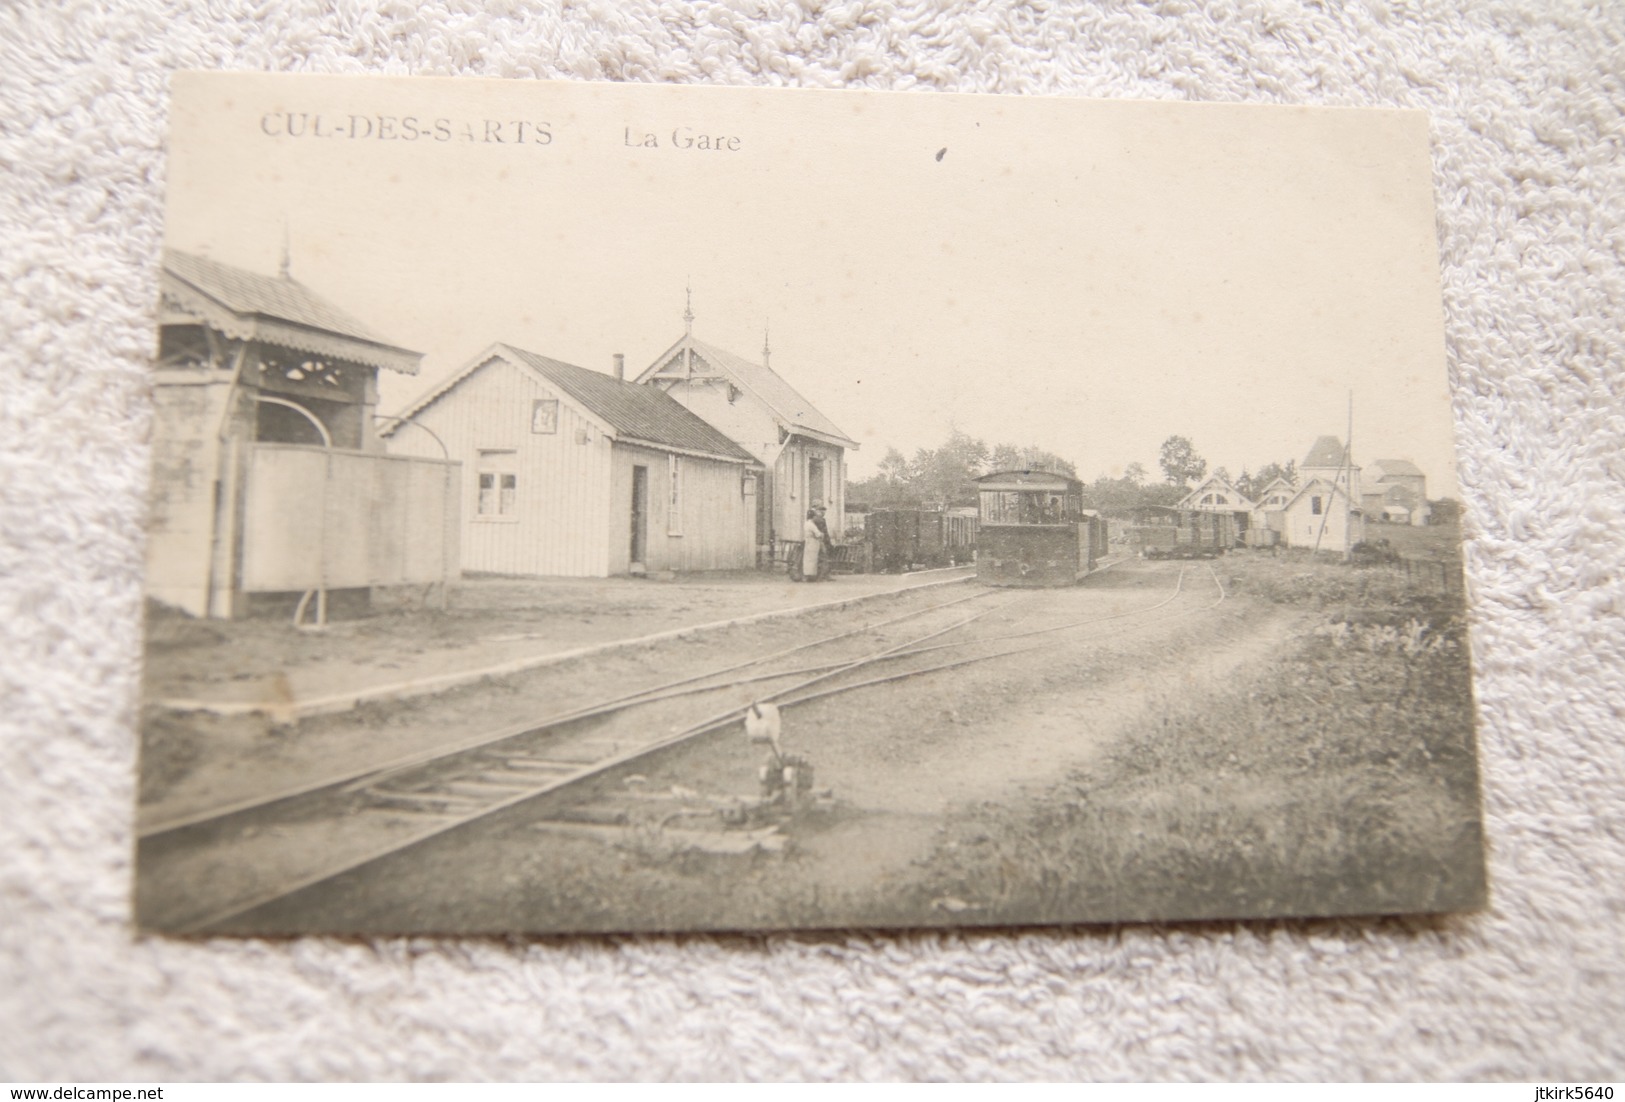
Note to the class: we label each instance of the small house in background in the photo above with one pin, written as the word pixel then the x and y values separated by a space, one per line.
pixel 1216 495
pixel 1269 520
pixel 1320 516
pixel 802 453
pixel 1397 491
pixel 267 475
pixel 1275 496
pixel 1325 512
pixel 579 473
pixel 1393 503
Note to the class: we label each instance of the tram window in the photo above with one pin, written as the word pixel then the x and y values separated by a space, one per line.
pixel 1029 507
pixel 1000 507
pixel 1043 508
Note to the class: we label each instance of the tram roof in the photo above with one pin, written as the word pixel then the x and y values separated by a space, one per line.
pixel 1028 480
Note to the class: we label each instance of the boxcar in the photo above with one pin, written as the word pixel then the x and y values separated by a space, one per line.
pixel 905 538
pixel 1162 533
pixel 1035 531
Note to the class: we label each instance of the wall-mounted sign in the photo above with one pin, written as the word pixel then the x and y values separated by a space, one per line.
pixel 544 415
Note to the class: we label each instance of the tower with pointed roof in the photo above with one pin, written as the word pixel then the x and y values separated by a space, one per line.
pixel 1329 459
pixel 1324 513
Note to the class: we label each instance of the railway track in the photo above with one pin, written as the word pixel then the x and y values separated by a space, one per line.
pixel 258 851
pixel 153 826
pixel 286 839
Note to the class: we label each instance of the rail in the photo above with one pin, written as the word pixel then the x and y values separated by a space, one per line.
pixel 517 780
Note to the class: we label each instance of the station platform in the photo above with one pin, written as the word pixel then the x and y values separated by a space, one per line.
pixel 492 627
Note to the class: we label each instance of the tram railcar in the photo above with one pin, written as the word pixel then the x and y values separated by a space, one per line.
pixel 1035 530
pixel 905 538
pixel 1165 533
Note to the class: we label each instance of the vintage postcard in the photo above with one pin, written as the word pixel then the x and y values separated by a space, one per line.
pixel 588 507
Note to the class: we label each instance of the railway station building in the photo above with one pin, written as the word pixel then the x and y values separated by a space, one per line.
pixel 801 452
pixel 579 473
pixel 268 476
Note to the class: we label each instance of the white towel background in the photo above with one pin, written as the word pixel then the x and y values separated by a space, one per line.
pixel 1526 104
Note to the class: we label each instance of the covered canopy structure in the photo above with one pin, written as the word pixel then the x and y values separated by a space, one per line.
pixel 267 474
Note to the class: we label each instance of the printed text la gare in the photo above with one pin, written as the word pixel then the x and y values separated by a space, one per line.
pixel 682 137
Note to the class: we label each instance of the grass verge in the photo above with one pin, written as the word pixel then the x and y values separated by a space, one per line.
pixel 1338 778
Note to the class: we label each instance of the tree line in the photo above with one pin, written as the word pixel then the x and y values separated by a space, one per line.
pixel 943 477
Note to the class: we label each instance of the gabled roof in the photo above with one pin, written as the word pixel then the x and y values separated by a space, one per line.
pixel 280 310
pixel 1189 500
pixel 782 400
pixel 631 413
pixel 1327 452
pixel 1319 485
pixel 1397 468
pixel 1281 483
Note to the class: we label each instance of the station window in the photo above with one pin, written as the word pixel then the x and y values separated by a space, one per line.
pixel 498 484
pixel 674 514
pixel 1314 504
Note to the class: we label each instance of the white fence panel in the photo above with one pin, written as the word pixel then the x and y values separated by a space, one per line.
pixel 337 519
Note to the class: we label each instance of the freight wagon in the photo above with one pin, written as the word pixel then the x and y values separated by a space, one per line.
pixel 1161 533
pixel 904 539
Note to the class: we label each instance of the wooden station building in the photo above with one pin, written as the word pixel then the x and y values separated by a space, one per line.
pixel 574 472
pixel 802 453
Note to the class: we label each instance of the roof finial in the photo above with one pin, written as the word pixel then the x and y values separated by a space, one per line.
pixel 766 350
pixel 287 253
pixel 688 310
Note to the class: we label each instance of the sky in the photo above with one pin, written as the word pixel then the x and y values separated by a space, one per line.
pixel 1088 277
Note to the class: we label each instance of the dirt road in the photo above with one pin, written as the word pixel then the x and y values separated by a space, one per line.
pixel 901 760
